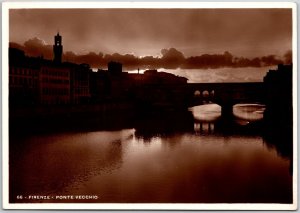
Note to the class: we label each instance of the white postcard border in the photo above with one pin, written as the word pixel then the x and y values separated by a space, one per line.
pixel 136 206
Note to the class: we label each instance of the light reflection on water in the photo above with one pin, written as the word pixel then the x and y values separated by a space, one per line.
pixel 207 112
pixel 212 112
pixel 249 112
pixel 120 166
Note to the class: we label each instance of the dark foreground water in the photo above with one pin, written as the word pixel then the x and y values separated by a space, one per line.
pixel 197 159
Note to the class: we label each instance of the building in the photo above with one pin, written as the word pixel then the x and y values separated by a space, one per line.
pixel 54 84
pixel 63 82
pixel 278 84
pixel 114 68
pixel 23 79
pixel 279 94
pixel 100 85
pixel 155 77
pixel 54 77
pixel 79 83
pixel 40 81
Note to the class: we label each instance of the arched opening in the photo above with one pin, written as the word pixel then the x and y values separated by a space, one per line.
pixel 197 93
pixel 205 94
pixel 248 112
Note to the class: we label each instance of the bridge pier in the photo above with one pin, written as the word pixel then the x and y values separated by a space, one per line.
pixel 227 111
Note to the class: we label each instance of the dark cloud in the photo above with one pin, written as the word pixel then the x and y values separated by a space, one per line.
pixel 270 60
pixel 37 47
pixel 209 61
pixel 246 62
pixel 128 60
pixel 93 59
pixel 170 59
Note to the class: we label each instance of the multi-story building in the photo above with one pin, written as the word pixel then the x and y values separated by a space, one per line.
pixel 114 68
pixel 79 83
pixel 54 84
pixel 23 78
pixel 54 78
pixel 278 86
pixel 100 85
pixel 40 81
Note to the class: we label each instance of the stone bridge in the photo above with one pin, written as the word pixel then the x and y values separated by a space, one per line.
pixel 187 95
pixel 225 94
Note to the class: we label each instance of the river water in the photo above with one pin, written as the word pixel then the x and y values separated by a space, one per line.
pixel 160 159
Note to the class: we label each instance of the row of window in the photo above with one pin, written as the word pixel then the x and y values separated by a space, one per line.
pixel 81 91
pixel 55 81
pixel 28 71
pixel 55 73
pixel 23 71
pixel 55 91
pixel 22 81
pixel 54 101
pixel 80 83
pixel 81 76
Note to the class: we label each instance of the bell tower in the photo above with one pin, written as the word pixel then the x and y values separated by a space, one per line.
pixel 57 49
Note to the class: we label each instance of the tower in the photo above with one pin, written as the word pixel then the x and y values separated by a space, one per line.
pixel 57 49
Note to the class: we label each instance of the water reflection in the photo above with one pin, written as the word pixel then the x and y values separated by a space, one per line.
pixel 249 112
pixel 194 168
pixel 182 157
pixel 57 164
pixel 205 117
pixel 206 113
pixel 204 128
pixel 163 124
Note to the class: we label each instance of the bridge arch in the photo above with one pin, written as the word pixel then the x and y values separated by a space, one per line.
pixel 226 94
pixel 197 93
pixel 205 94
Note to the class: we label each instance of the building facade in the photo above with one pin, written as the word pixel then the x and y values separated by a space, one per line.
pixel 79 83
pixel 39 81
pixel 54 84
pixel 23 79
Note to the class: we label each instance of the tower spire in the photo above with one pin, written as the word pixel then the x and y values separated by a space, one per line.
pixel 57 48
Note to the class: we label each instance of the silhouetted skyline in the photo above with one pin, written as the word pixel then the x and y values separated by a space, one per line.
pixel 185 38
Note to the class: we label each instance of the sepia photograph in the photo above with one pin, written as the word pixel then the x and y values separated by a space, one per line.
pixel 149 106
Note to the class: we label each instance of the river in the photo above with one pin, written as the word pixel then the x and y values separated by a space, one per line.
pixel 189 158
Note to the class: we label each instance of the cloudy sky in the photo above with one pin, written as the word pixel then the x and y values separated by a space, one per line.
pixel 195 36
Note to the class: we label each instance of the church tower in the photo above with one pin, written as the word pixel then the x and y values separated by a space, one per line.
pixel 57 49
